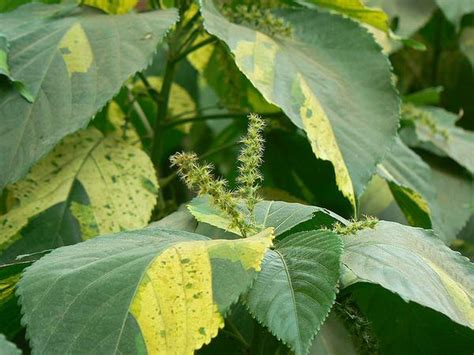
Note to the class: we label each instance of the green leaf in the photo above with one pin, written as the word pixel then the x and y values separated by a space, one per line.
pixel 333 82
pixel 412 329
pixel 5 69
pixel 295 290
pixel 455 10
pixel 409 15
pixel 333 339
pixel 63 55
pixel 282 216
pixel 356 10
pixel 438 134
pixel 88 185
pixel 147 291
pixel 414 264
pixel 7 347
pixel 454 200
pixel 113 6
pixel 410 181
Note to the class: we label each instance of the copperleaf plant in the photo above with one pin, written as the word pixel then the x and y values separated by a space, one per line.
pixel 140 212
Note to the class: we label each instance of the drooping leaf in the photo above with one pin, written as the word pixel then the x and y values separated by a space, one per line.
pixel 333 339
pixel 282 216
pixel 410 181
pixel 357 10
pixel 5 69
pixel 296 288
pixel 336 88
pixel 412 329
pixel 152 291
pixel 88 185
pixel 113 6
pixel 454 200
pixel 438 134
pixel 72 61
pixel 409 15
pixel 414 264
pixel 455 10
pixel 7 347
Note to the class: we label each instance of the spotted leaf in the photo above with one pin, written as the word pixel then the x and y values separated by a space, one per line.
pixel 154 291
pixel 88 185
pixel 72 61
pixel 329 76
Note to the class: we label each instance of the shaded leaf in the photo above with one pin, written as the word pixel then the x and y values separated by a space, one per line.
pixel 333 339
pixel 62 55
pixel 9 309
pixel 296 288
pixel 345 103
pixel 147 291
pixel 88 185
pixel 412 329
pixel 414 264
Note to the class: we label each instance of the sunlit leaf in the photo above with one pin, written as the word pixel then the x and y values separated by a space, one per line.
pixel 88 185
pixel 414 264
pixel 357 10
pixel 72 61
pixel 152 291
pixel 333 82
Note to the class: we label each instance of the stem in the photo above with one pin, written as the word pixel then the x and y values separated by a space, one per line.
pixel 220 116
pixel 203 43
pixel 163 100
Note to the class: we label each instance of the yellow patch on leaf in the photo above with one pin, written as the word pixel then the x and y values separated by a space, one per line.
pixel 115 7
pixel 322 139
pixel 458 294
pixel 76 50
pixel 174 304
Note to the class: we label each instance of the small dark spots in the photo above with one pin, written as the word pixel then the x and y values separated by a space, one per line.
pixel 163 333
pixel 309 113
pixel 185 261
pixel 202 331
pixel 189 285
pixel 108 157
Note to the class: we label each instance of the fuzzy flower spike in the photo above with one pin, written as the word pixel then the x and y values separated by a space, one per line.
pixel 199 177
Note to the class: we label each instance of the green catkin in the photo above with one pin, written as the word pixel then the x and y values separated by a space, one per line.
pixel 199 177
pixel 250 159
pixel 259 18
pixel 355 226
pixel 411 113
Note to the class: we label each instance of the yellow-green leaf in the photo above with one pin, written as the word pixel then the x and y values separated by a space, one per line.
pixel 150 291
pixel 113 6
pixel 100 183
pixel 357 10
